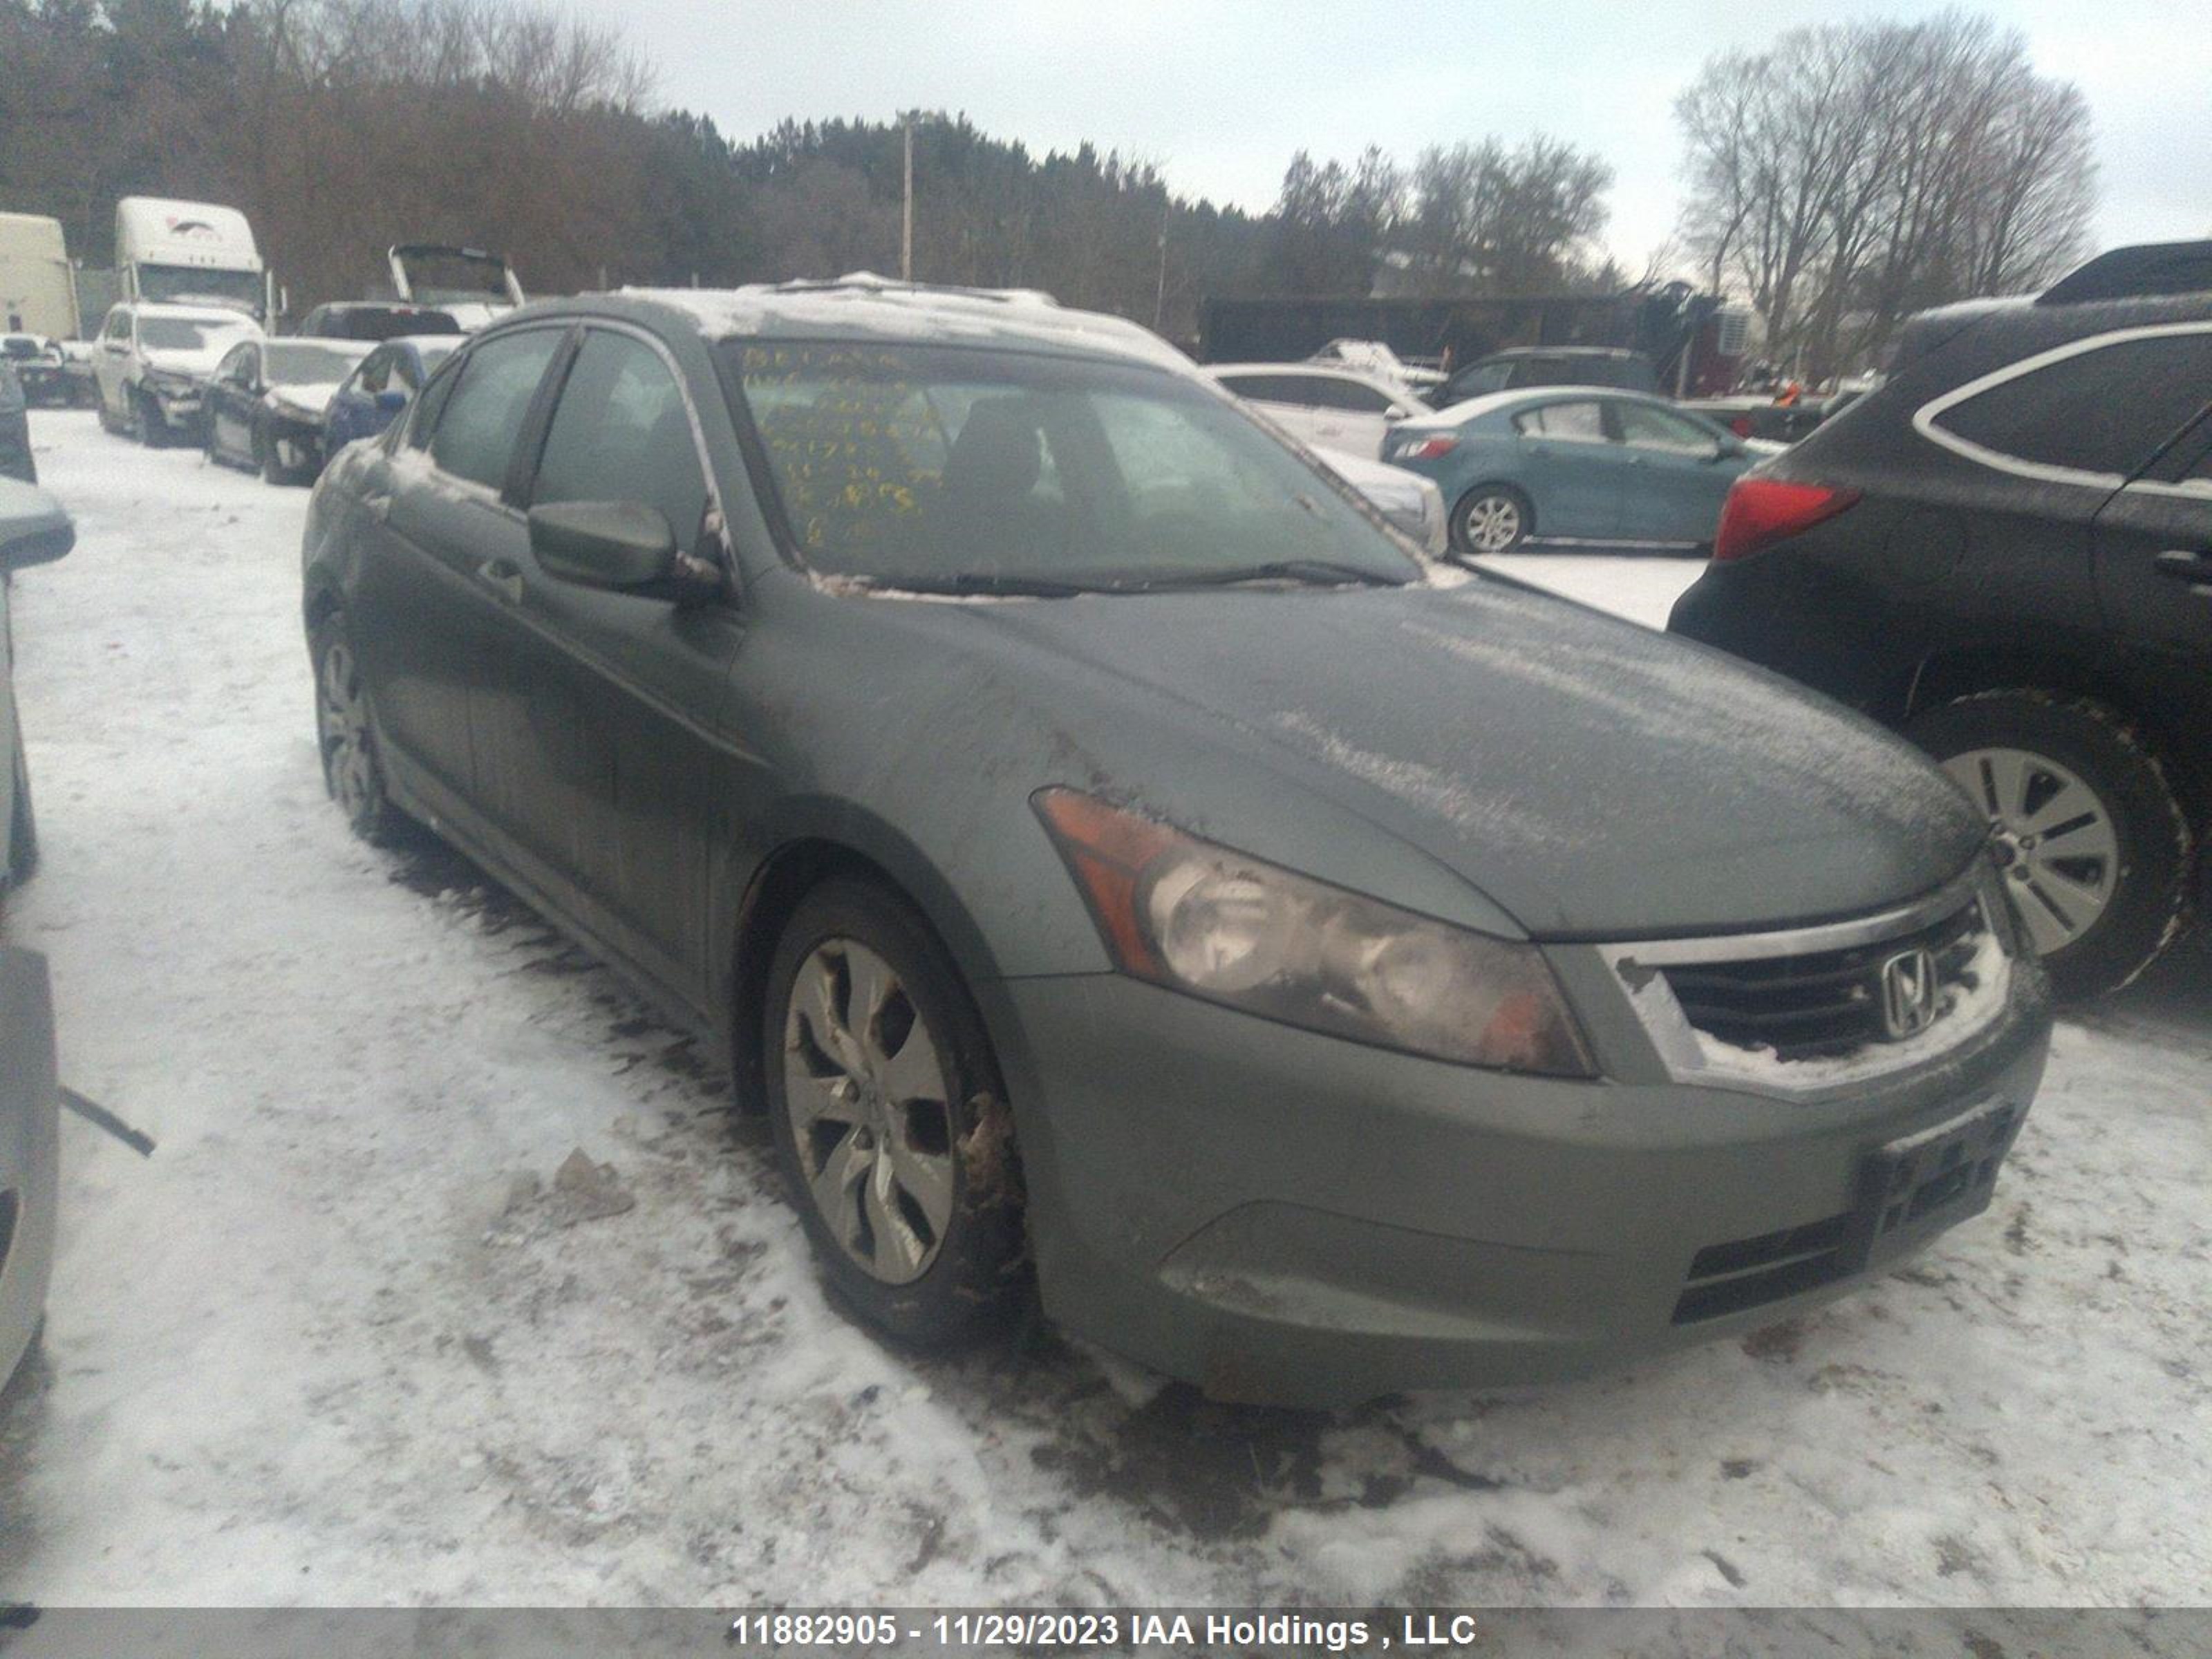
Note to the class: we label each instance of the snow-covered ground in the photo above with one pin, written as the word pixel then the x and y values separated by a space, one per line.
pixel 342 1339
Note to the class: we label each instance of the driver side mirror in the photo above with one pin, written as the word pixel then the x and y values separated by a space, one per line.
pixel 621 547
pixel 391 401
pixel 1726 447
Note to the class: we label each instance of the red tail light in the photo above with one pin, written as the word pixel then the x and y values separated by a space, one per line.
pixel 1740 426
pixel 1761 511
pixel 1428 449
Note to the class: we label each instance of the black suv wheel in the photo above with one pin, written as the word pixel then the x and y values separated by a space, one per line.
pixel 2096 846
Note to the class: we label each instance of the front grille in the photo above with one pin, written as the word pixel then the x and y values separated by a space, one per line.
pixel 1726 1279
pixel 1820 1003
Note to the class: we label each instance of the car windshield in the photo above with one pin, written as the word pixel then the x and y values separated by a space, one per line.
pixel 959 469
pixel 182 334
pixel 297 363
pixel 193 283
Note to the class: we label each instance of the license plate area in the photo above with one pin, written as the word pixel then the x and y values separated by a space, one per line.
pixel 1920 1184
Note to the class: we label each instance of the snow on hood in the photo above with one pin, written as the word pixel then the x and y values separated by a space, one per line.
pixel 310 395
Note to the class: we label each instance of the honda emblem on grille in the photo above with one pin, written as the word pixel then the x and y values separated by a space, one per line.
pixel 1908 994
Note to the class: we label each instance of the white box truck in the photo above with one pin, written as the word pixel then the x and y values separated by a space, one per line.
pixel 189 253
pixel 37 295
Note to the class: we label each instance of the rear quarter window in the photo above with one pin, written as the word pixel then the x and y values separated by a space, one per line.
pixel 2105 410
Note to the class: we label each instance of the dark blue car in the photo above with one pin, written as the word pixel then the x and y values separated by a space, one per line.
pixel 385 382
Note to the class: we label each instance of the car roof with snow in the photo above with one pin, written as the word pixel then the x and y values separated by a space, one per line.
pixel 189 314
pixel 867 306
pixel 1496 402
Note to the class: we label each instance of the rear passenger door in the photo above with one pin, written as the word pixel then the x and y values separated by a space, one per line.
pixel 1575 475
pixel 625 766
pixel 444 560
pixel 2154 561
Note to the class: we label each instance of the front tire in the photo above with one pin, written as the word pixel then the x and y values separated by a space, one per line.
pixel 147 425
pixel 1490 519
pixel 890 1123
pixel 346 736
pixel 2096 846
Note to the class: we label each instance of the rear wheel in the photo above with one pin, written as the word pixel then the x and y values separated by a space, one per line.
pixel 890 1119
pixel 2094 844
pixel 1491 518
pixel 347 737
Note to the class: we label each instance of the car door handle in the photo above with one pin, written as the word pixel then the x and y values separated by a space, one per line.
pixel 504 577
pixel 2182 565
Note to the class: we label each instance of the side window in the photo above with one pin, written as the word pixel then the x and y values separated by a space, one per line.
pixel 1258 387
pixel 1643 427
pixel 475 434
pixel 621 433
pixel 2105 410
pixel 1575 420
pixel 1351 395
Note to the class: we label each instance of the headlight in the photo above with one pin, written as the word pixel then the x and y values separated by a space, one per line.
pixel 1217 924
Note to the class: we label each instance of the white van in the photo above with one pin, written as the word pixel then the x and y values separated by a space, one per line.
pixel 189 253
pixel 37 295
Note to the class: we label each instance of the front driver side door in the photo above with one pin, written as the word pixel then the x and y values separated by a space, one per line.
pixel 625 767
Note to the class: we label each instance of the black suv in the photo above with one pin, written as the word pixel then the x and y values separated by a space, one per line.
pixel 2006 553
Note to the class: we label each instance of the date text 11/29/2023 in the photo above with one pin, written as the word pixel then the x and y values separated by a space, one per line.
pixel 1081 1631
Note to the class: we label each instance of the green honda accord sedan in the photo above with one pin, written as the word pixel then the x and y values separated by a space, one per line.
pixel 1129 875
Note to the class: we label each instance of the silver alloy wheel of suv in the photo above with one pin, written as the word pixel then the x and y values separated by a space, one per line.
pixel 2054 836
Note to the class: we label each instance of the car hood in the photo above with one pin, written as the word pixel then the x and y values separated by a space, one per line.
pixel 195 365
pixel 309 397
pixel 1590 778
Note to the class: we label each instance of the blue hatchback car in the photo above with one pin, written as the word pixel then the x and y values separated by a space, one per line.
pixel 1568 465
pixel 382 385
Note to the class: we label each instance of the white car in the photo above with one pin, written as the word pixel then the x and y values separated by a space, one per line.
pixel 151 365
pixel 1411 503
pixel 1323 408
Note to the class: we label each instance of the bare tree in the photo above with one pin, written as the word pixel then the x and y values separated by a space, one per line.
pixel 1855 172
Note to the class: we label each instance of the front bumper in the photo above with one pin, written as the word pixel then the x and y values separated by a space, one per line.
pixel 179 406
pixel 29 1151
pixel 1287 1218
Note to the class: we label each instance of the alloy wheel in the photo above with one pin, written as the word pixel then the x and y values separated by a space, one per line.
pixel 2054 836
pixel 870 1110
pixel 1492 523
pixel 342 719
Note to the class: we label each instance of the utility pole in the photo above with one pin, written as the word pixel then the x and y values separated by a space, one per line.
pixel 906 228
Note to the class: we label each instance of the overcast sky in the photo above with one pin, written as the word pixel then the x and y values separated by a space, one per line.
pixel 1217 94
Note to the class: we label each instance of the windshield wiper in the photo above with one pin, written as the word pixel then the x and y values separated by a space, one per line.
pixel 1322 572
pixel 977 584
